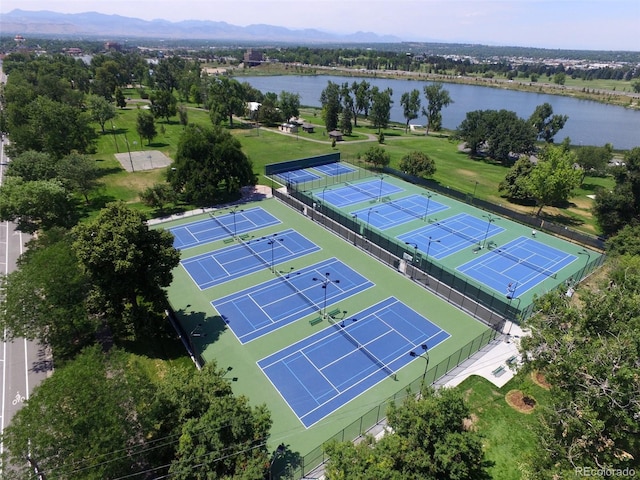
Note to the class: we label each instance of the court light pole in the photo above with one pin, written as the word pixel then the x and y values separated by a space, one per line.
pixel 369 216
pixel 380 192
pixel 326 281
pixel 426 210
pixel 425 356
pixel 584 251
pixel 490 219
pixel 234 211
pixel 415 250
pixel 272 242
pixel 357 230
pixel 430 240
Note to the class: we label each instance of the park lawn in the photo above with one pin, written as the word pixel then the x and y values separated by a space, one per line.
pixel 507 435
pixel 263 146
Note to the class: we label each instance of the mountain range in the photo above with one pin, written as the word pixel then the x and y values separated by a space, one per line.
pixel 92 24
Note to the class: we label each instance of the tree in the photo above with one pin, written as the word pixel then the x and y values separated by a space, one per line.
pixel 125 260
pixel 158 195
pixel 621 206
pixel 35 205
pixel 377 156
pixel 121 102
pixel 437 98
pixel 289 104
pixel 560 78
pixel 418 164
pixel 221 436
pixel 410 102
pixel 100 111
pixel 45 298
pixel 429 441
pixel 636 86
pixel 146 126
pixel 381 108
pixel 588 351
pixel 73 441
pixel 554 177
pixel 594 160
pixel 330 100
pixel 362 99
pixel 79 174
pixel 625 242
pixel 226 98
pixel 209 166
pixel 345 121
pixel 546 124
pixel 183 115
pixel 515 186
pixel 32 165
pixel 163 104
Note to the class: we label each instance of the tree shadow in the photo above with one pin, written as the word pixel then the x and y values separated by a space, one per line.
pixel 561 219
pixel 198 329
pixel 284 462
pixel 157 145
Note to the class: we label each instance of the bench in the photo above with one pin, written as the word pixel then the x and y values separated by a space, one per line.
pixel 335 312
pixel 246 236
pixel 228 240
pixel 499 371
pixel 512 360
pixel 315 321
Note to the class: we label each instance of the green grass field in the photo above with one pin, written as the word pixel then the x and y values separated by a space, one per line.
pixel 194 310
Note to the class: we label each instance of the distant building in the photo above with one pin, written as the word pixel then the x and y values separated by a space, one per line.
pixel 288 128
pixel 253 58
pixel 335 135
pixel 112 46
pixel 307 127
pixel 74 51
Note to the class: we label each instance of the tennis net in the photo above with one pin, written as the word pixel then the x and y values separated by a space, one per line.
pixel 288 281
pixel 221 223
pixel 458 233
pixel 361 190
pixel 397 206
pixel 363 349
pixel 530 265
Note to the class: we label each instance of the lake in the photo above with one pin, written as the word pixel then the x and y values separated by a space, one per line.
pixel 589 123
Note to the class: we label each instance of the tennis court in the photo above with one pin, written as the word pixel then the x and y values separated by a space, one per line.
pixel 321 373
pixel 297 176
pixel 353 193
pixel 256 311
pixel 217 227
pixel 517 266
pixel 334 169
pixel 390 214
pixel 246 257
pixel 441 239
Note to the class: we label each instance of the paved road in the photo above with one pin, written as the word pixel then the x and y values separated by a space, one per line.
pixel 23 363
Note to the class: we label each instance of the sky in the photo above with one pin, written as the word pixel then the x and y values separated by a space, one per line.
pixel 569 24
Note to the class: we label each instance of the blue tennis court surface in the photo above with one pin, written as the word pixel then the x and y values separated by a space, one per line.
pixel 517 266
pixel 372 190
pixel 259 310
pixel 334 169
pixel 243 258
pixel 221 226
pixel 321 373
pixel 402 210
pixel 297 176
pixel 451 235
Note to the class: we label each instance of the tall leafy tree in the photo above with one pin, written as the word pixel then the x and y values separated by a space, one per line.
pixel 410 102
pixel 35 205
pixel 79 174
pixel 330 101
pixel 588 350
pixel 269 113
pixel 45 297
pixel 100 111
pixel 381 108
pixel 437 98
pixel 289 104
pixel 429 441
pixel 226 98
pixel 554 177
pixel 77 442
pixel 594 160
pixel 515 186
pixel 125 259
pixel 621 206
pixel 547 124
pixel 209 166
pixel 32 165
pixel 163 104
pixel 146 126
pixel 362 95
pixel 377 156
